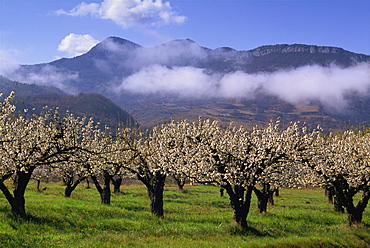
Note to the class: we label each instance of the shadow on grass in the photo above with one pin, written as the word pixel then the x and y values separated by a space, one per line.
pixel 363 234
pixel 59 224
pixel 364 239
pixel 367 225
pixel 250 231
pixel 136 208
pixel 5 210
pixel 10 241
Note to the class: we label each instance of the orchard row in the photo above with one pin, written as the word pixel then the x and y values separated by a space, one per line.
pixel 236 159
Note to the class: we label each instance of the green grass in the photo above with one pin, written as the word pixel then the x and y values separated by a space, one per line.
pixel 198 218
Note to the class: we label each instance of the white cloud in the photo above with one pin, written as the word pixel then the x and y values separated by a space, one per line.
pixel 7 63
pixel 300 86
pixel 82 9
pixel 239 84
pixel 47 75
pixel 183 81
pixel 75 44
pixel 328 85
pixel 173 53
pixel 129 13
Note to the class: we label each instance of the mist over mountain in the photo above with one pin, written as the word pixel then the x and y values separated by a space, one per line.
pixel 35 98
pixel 181 79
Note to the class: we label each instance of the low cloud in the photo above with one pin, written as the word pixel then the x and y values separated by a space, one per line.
pixel 183 81
pixel 128 13
pixel 7 63
pixel 300 86
pixel 328 85
pixel 75 44
pixel 46 75
pixel 176 52
pixel 49 76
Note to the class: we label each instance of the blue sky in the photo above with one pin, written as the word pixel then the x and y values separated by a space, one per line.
pixel 38 31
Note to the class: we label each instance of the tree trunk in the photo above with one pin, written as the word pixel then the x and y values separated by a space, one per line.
pixel 354 213
pixel 105 198
pixel 222 192
pixel 264 196
pixel 105 193
pixel 354 218
pixel 68 183
pixel 240 218
pixel 88 183
pixel 156 200
pixel 155 185
pixel 277 193
pixel 70 186
pixel 6 191
pixel 181 185
pixel 68 191
pixel 339 199
pixel 17 200
pixel 346 193
pixel 180 182
pixel 330 193
pixel 117 184
pixel 38 184
pixel 240 203
pixel 270 200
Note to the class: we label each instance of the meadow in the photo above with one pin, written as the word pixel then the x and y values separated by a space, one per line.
pixel 198 217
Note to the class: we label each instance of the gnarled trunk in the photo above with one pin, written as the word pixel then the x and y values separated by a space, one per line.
pixel 264 196
pixel 17 200
pixel 339 199
pixel 156 199
pixel 180 180
pixel 155 185
pixel 346 193
pixel 355 213
pixel 240 199
pixel 116 184
pixel 330 193
pixel 88 183
pixel 105 193
pixel 354 218
pixel 277 193
pixel 105 197
pixel 38 184
pixel 70 186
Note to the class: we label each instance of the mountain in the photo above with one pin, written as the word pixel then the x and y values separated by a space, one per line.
pixel 35 97
pixel 115 58
pixel 126 73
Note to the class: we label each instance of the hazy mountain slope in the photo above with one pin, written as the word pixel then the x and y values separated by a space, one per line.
pixel 102 109
pixel 115 58
pixel 35 97
pixel 130 75
pixel 25 90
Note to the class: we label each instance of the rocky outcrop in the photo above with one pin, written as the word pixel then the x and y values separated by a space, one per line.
pixel 298 48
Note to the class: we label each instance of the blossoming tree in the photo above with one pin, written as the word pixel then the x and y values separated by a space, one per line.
pixel 27 144
pixel 342 160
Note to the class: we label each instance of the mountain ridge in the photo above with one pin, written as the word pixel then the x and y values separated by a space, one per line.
pixel 255 52
pixel 108 64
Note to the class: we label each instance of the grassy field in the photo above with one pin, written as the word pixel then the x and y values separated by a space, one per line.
pixel 197 218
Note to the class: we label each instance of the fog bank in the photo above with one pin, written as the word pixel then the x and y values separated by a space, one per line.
pixel 300 86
